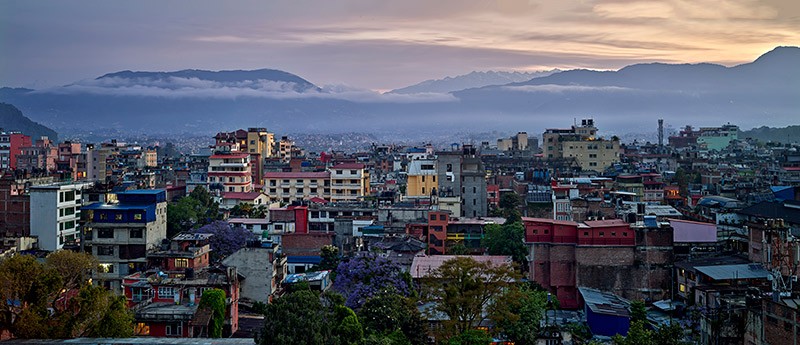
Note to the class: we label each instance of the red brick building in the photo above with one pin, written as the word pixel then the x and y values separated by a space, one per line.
pixel 609 255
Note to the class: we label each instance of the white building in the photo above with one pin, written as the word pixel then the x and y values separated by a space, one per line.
pixel 55 213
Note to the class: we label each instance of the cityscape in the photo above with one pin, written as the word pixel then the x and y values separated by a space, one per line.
pixel 625 173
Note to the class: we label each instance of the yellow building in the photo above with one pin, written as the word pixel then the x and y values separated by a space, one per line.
pixel 421 181
pixel 580 143
pixel 261 142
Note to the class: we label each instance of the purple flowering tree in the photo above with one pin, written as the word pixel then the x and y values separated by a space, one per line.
pixel 226 240
pixel 364 277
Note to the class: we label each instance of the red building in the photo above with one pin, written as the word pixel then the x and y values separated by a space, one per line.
pixel 11 144
pixel 559 249
pixel 167 306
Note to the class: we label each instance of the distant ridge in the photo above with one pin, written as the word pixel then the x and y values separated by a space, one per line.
pixel 765 92
pixel 471 80
pixel 224 77
pixel 12 119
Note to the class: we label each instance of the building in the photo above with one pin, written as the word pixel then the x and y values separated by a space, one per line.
pixel 198 171
pixel 120 234
pixel 473 184
pixel 167 305
pixel 349 182
pixel 633 261
pixel 55 213
pixel 40 156
pixel 229 171
pixel 71 163
pixel 288 187
pixel 263 270
pixel 582 144
pixel 518 142
pixel 422 178
pixel 11 144
pixel 717 138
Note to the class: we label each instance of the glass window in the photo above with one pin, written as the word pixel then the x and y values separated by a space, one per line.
pixel 136 233
pixel 105 233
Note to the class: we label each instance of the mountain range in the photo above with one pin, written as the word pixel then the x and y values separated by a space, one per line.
pixel 763 92
pixel 471 80
pixel 12 120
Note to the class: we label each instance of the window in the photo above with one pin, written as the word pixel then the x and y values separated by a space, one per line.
pixel 105 233
pixel 175 329
pixel 624 234
pixel 166 292
pixel 137 216
pixel 103 216
pixel 433 217
pixel 118 216
pixel 105 268
pixel 613 234
pixel 353 172
pixel 586 233
pixel 602 234
pixel 181 263
pixel 136 233
pixel 105 250
pixel 423 179
pixel 442 217
pixel 338 172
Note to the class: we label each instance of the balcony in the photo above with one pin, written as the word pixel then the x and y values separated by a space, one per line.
pixel 234 165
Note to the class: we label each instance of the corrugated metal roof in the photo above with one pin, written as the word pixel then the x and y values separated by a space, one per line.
pixel 604 302
pixel 727 272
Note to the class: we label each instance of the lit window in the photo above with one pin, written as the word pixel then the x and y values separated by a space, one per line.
pixel 137 216
pixel 181 263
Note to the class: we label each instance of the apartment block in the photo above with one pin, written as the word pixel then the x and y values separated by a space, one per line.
pixel 581 143
pixel 230 172
pixel 120 234
pixel 11 144
pixel 287 187
pixel 349 182
pixel 55 212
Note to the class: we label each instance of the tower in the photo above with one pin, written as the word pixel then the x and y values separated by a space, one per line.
pixel 660 135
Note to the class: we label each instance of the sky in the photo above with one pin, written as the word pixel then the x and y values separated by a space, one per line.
pixel 378 45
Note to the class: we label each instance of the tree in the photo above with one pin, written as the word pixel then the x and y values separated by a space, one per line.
pixel 669 334
pixel 366 276
pixel 506 239
pixel 517 313
pixel 214 301
pixel 226 239
pixel 396 316
pixel 471 337
pixel 462 288
pixel 53 299
pixel 638 312
pixel 510 201
pixel 195 210
pixel 305 317
pixel 295 318
pixel 637 335
pixel 330 258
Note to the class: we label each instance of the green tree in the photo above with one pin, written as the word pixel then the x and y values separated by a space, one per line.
pixel 669 334
pixel 305 317
pixel 462 288
pixel 458 249
pixel 53 299
pixel 637 335
pixel 506 239
pixel 471 337
pixel 389 314
pixel 510 201
pixel 192 211
pixel 214 301
pixel 638 312
pixel 330 258
pixel 517 313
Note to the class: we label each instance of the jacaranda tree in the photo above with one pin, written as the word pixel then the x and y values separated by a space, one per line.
pixel 364 277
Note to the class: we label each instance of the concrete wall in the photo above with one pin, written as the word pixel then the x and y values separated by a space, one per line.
pixel 254 264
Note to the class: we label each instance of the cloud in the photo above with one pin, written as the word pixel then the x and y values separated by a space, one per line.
pixel 554 88
pixel 176 87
